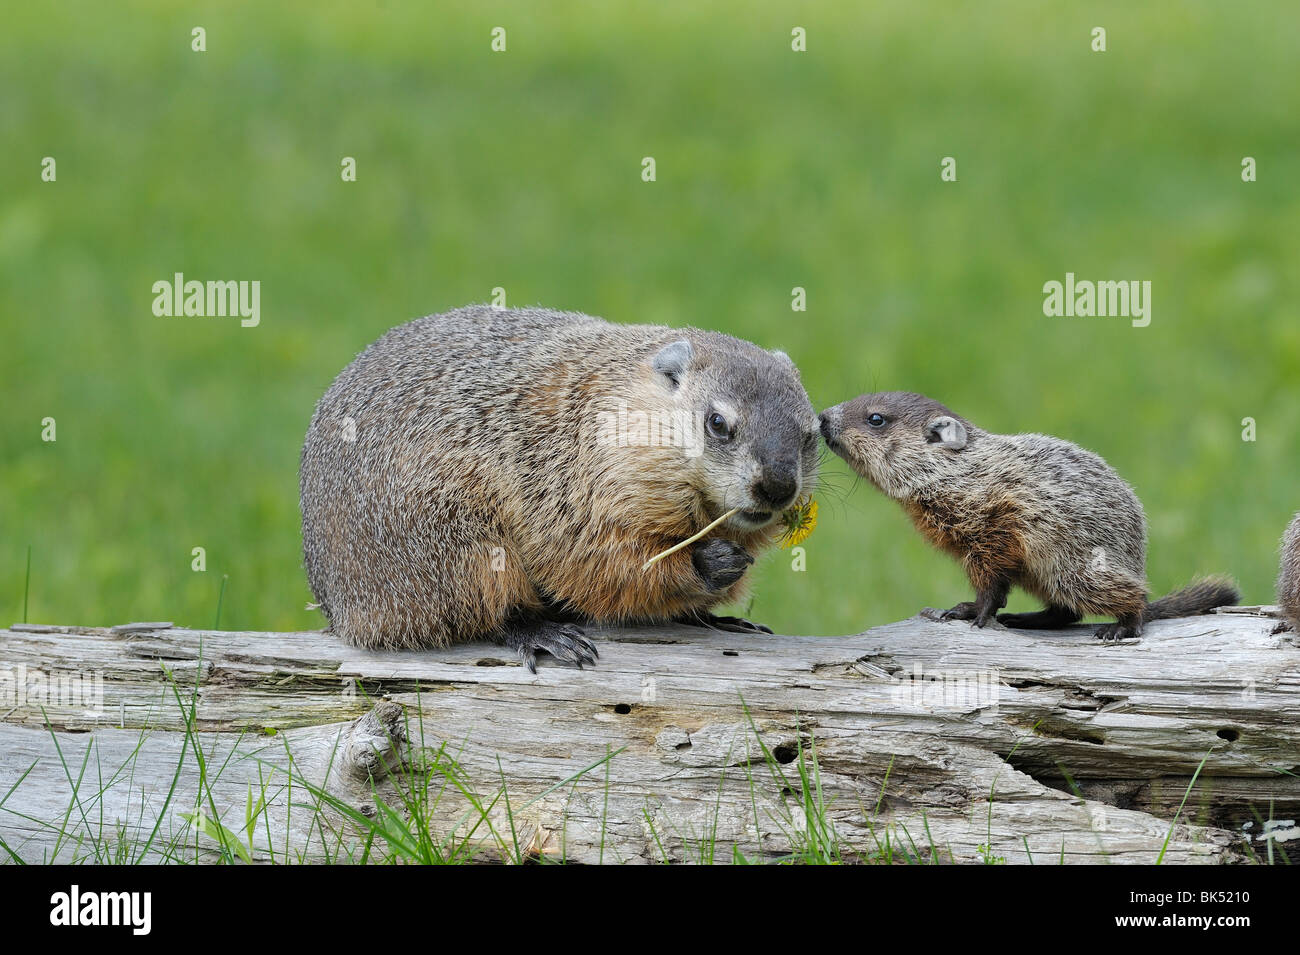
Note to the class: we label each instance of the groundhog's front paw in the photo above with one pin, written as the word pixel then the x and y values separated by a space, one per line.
pixel 1283 627
pixel 963 611
pixel 720 562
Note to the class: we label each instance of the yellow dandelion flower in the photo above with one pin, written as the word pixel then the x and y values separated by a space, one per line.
pixel 799 520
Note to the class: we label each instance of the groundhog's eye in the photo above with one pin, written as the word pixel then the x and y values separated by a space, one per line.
pixel 876 419
pixel 717 426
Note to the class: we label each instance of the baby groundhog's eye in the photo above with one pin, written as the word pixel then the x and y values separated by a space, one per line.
pixel 876 419
pixel 717 426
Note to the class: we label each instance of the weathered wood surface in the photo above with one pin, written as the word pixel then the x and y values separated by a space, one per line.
pixel 1044 745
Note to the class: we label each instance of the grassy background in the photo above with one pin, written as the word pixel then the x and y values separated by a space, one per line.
pixel 522 170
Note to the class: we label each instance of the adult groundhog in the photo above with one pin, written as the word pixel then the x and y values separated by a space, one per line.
pixel 1288 578
pixel 1026 510
pixel 504 474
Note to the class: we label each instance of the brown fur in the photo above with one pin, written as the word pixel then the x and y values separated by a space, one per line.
pixel 480 485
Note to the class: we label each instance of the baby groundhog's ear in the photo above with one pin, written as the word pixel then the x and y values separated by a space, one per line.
pixel 947 432
pixel 672 359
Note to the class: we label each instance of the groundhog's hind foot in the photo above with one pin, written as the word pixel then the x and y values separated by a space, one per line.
pixel 1122 629
pixel 530 635
pixel 727 624
pixel 1051 618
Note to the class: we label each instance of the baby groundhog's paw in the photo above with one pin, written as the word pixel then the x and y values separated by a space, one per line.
pixel 963 611
pixel 1282 627
pixel 728 624
pixel 1117 632
pixel 720 562
pixel 564 641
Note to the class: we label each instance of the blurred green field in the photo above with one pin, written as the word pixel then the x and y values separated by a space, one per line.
pixel 522 170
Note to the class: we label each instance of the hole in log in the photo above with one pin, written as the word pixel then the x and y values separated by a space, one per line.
pixel 731 653
pixel 686 745
pixel 1067 729
pixel 1228 733
pixel 785 753
pixel 490 662
pixel 622 708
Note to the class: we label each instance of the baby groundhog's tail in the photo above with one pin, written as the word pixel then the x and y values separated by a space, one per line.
pixel 1197 597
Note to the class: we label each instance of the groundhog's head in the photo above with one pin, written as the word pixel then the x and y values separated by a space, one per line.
pixel 899 441
pixel 752 429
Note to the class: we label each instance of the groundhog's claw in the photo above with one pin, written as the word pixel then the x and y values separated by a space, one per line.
pixel 564 641
pixel 1283 627
pixel 737 625
pixel 728 624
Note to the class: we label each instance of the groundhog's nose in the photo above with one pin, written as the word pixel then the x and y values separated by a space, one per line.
pixel 828 429
pixel 777 489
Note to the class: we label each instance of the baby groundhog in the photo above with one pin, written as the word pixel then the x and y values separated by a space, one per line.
pixel 504 474
pixel 1023 510
pixel 1288 579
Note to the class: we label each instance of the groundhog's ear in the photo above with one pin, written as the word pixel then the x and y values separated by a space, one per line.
pixel 672 359
pixel 947 432
pixel 785 360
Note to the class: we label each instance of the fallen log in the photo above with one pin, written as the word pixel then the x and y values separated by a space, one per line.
pixel 916 741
